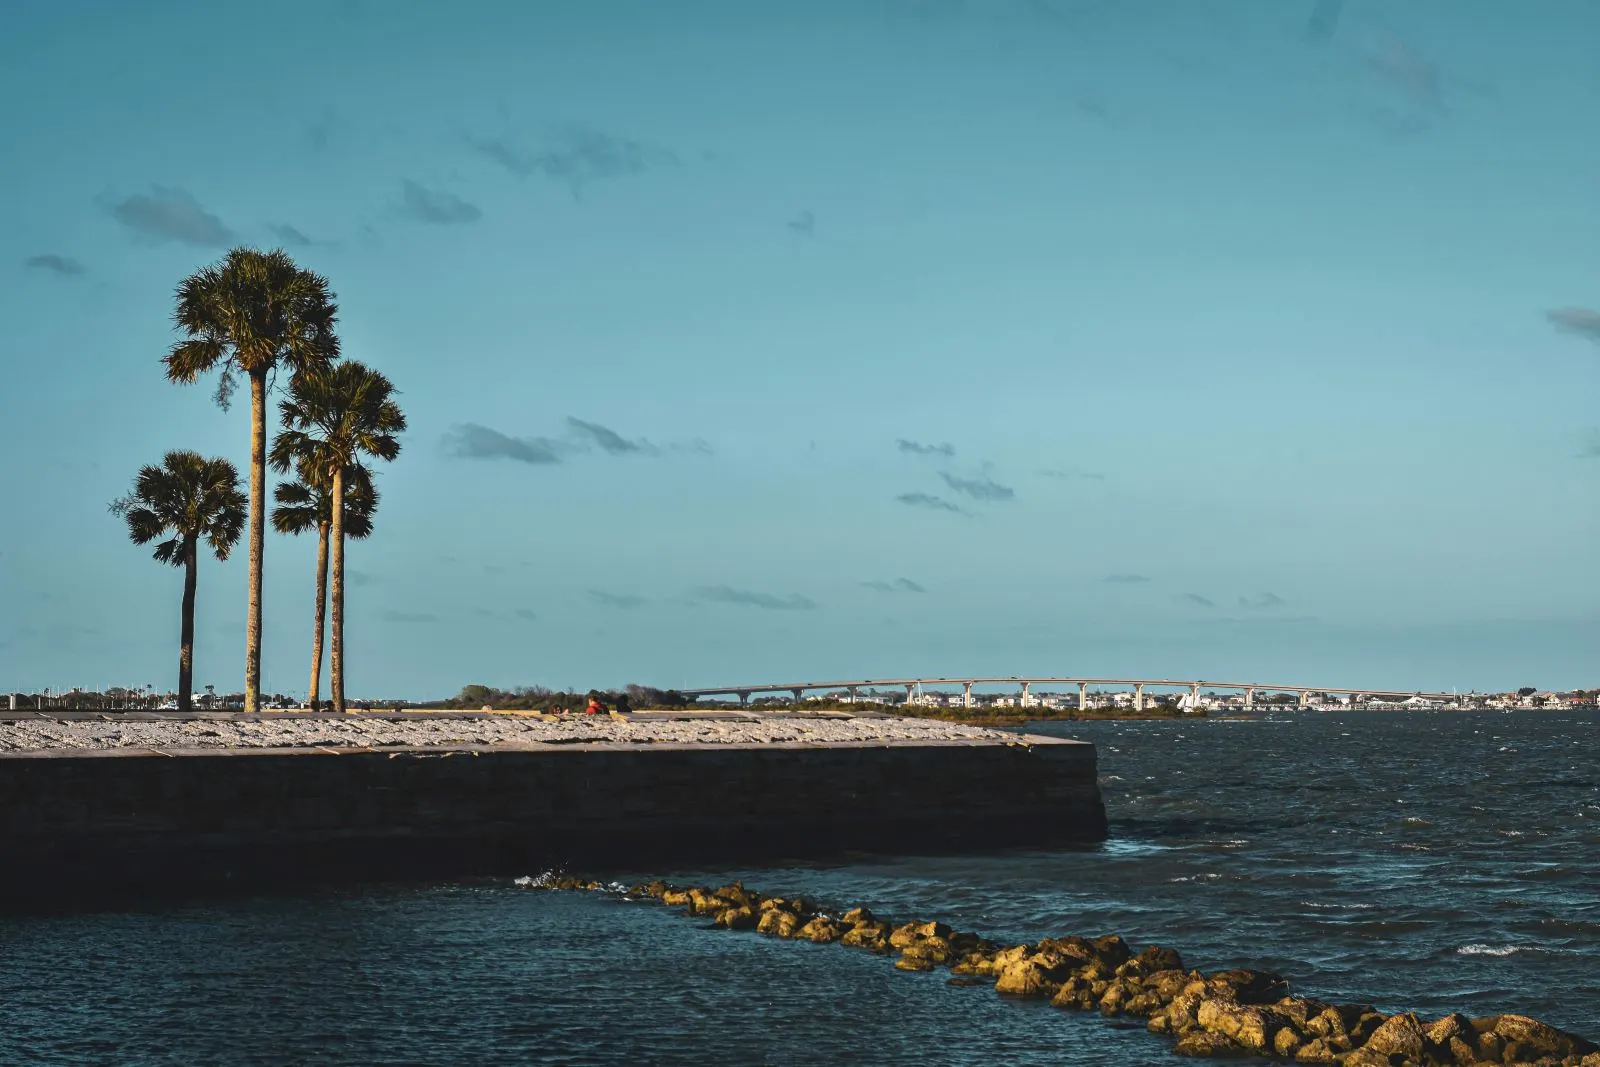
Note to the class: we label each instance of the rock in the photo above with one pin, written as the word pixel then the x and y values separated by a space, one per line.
pixel 1178 1016
pixel 1075 994
pixel 1246 1025
pixel 675 898
pixel 1031 978
pixel 821 930
pixel 1532 1039
pixel 914 963
pixel 703 902
pixel 1315 1051
pixel 1248 987
pixel 873 936
pixel 1366 1057
pixel 1111 1001
pixel 1490 1047
pixel 1286 1043
pixel 1111 950
pixel 904 935
pixel 857 916
pixel 739 917
pixel 935 950
pixel 735 893
pixel 653 889
pixel 1204 1043
pixel 778 922
pixel 1167 984
pixel 1402 1035
pixel 1155 959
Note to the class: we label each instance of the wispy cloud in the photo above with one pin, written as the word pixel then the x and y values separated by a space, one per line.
pixel 355 577
pixel 1070 473
pixel 1583 322
pixel 469 440
pixel 1261 601
pixel 171 214
pixel 1196 598
pixel 928 500
pixel 436 206
pixel 727 594
pixel 899 585
pixel 917 448
pixel 577 157
pixel 617 600
pixel 1399 64
pixel 980 488
pixel 1125 579
pixel 52 262
pixel 1324 20
pixel 525 614
pixel 390 615
pixel 290 236
pixel 804 224
pixel 608 440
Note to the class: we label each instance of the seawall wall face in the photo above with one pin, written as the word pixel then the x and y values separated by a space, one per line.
pixel 127 824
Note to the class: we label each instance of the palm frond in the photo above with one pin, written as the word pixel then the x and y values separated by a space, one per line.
pixel 188 497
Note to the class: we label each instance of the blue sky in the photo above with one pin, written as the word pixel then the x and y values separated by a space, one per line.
pixel 756 341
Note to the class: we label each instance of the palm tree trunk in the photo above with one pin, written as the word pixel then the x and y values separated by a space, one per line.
pixel 258 535
pixel 336 543
pixel 186 641
pixel 321 616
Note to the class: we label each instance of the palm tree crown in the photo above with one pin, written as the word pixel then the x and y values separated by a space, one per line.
pixel 337 415
pixel 251 313
pixel 189 497
pixel 306 504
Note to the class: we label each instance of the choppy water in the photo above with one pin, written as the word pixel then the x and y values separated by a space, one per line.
pixel 1433 861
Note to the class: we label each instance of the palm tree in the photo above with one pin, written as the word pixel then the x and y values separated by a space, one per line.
pixel 335 416
pixel 250 314
pixel 190 498
pixel 307 504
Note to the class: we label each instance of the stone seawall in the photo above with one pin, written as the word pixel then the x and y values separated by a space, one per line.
pixel 124 823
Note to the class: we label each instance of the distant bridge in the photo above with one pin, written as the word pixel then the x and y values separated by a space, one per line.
pixel 911 685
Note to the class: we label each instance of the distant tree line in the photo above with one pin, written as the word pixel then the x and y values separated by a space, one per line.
pixel 541 698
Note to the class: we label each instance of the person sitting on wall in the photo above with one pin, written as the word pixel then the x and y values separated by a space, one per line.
pixel 595 706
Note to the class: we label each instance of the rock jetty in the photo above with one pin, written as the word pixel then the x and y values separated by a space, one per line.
pixel 1226 1013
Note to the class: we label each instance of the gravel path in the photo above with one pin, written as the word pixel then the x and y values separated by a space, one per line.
pixel 56 735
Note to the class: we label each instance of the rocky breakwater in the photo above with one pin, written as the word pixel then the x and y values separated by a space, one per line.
pixel 1225 1013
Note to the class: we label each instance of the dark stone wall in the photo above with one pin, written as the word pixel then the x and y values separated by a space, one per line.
pixel 123 826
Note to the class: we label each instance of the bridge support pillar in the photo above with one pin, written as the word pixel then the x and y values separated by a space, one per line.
pixel 1194 698
pixel 1083 696
pixel 1305 698
pixel 852 694
pixel 911 692
pixel 1357 698
pixel 1249 698
pixel 744 696
pixel 799 694
pixel 966 694
pixel 1025 701
pixel 1138 696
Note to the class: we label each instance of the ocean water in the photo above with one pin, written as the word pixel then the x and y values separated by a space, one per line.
pixel 1436 861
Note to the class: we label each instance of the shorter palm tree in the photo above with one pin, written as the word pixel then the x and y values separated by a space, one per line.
pixel 335 417
pixel 307 504
pixel 186 500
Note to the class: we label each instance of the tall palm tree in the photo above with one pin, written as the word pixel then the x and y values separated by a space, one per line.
pixel 307 504
pixel 337 416
pixel 251 314
pixel 192 499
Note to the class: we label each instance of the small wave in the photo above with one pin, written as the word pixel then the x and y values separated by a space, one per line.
pixel 535 881
pixel 1491 950
pixel 1195 878
pixel 1416 820
pixel 1336 907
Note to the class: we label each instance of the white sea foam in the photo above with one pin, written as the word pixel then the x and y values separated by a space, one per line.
pixel 1336 907
pixel 1490 950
